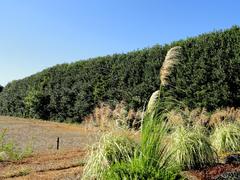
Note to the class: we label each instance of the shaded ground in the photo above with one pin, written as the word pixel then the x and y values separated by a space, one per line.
pixel 47 162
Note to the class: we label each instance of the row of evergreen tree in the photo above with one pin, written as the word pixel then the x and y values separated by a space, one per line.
pixel 208 76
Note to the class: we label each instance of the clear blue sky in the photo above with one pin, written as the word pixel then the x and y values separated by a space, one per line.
pixel 35 34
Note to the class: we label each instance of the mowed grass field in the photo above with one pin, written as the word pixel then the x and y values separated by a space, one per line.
pixel 47 162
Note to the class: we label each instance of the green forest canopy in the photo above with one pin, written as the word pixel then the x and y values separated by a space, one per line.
pixel 208 76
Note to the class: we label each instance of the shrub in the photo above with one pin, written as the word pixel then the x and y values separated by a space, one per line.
pixel 111 149
pixel 226 137
pixel 191 149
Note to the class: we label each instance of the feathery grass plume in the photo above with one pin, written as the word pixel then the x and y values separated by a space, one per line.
pixel 226 137
pixel 191 148
pixel 172 58
pixel 110 150
pixel 153 101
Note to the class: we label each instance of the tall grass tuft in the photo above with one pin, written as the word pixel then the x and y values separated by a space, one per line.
pixel 191 148
pixel 111 149
pixel 172 58
pixel 153 160
pixel 226 137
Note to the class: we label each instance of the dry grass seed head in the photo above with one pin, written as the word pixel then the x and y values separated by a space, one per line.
pixel 172 58
pixel 153 101
pixel 224 115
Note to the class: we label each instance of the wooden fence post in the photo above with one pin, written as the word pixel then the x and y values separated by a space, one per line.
pixel 58 143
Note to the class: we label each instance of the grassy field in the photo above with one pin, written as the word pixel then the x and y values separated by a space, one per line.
pixel 47 162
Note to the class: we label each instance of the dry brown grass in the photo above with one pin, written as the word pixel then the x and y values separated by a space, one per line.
pixel 225 115
pixel 107 118
pixel 198 116
pixel 43 134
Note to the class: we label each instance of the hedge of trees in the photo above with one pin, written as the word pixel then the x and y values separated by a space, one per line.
pixel 1 88
pixel 208 76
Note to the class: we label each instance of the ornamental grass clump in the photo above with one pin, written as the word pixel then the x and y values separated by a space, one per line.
pixel 191 148
pixel 226 137
pixel 153 161
pixel 111 149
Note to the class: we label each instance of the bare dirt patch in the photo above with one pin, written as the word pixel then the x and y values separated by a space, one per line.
pixel 59 165
pixel 47 162
pixel 43 134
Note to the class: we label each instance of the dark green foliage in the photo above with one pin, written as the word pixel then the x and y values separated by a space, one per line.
pixel 208 76
pixel 1 88
pixel 36 104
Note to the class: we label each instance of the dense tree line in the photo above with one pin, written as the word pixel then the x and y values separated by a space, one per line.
pixel 208 76
pixel 1 88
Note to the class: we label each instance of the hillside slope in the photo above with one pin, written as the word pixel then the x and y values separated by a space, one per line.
pixel 208 76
